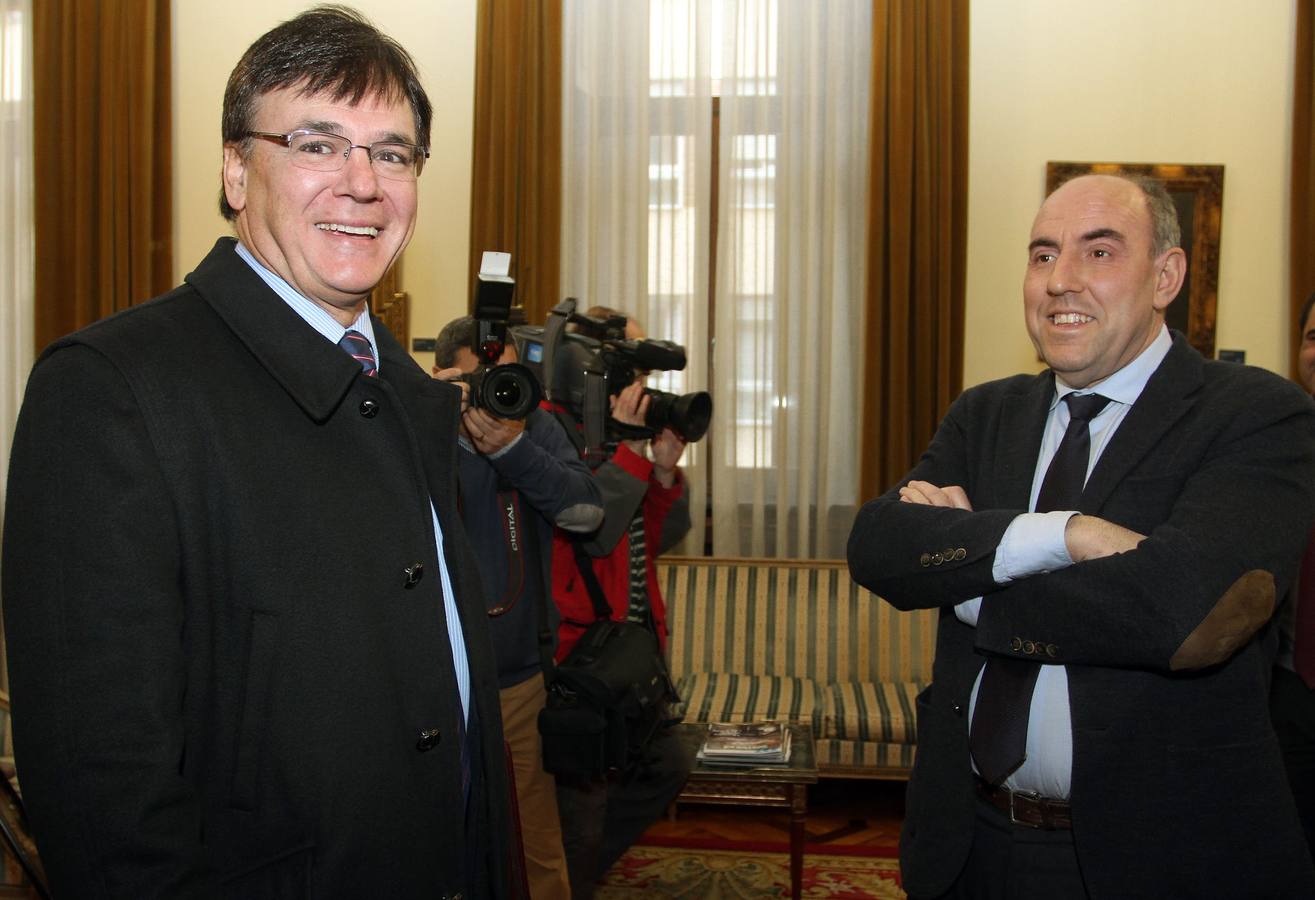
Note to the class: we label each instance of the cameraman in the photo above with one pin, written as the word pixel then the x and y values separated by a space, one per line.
pixel 647 512
pixel 507 469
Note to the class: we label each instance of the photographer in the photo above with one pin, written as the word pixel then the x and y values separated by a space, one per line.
pixel 646 513
pixel 517 480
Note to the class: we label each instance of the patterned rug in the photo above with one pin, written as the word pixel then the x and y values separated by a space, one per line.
pixel 726 870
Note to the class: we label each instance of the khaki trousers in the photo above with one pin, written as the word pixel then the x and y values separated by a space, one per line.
pixel 536 791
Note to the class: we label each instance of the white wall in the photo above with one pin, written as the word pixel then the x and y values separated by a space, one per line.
pixel 208 39
pixel 1173 81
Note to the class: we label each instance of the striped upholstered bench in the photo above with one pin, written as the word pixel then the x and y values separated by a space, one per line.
pixel 797 640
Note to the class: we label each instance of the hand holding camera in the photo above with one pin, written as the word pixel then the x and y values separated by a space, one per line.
pixel 487 432
pixel 629 406
pixel 667 449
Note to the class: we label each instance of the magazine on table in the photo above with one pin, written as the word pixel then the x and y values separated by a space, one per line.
pixel 745 744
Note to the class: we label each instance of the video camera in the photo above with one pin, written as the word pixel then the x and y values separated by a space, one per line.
pixel 511 390
pixel 581 370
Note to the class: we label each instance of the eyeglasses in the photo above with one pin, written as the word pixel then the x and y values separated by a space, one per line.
pixel 321 152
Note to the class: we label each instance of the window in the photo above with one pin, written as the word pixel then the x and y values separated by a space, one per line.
pixel 675 52
pixel 720 196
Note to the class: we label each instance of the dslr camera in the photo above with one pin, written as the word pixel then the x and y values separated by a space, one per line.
pixel 581 370
pixel 510 390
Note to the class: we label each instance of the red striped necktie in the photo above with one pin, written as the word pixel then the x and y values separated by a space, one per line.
pixel 358 348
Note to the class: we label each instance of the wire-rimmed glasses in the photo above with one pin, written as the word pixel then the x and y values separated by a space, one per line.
pixel 319 151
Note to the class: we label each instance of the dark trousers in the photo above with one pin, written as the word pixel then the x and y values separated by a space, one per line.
pixel 601 818
pixel 1292 709
pixel 476 876
pixel 1014 862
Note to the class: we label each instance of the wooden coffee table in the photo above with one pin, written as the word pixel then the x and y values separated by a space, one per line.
pixel 784 786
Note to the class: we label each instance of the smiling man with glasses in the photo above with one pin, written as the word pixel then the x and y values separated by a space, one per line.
pixel 246 633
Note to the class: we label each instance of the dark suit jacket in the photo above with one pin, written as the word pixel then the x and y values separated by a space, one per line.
pixel 1178 789
pixel 220 669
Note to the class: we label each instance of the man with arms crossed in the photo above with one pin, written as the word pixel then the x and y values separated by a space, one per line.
pixel 1106 566
pixel 245 629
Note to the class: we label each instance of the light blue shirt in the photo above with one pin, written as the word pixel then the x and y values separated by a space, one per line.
pixel 319 319
pixel 1033 544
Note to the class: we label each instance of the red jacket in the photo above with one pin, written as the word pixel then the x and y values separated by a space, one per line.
pixel 613 570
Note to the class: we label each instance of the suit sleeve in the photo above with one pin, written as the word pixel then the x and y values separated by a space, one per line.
pixel 94 618
pixel 1234 511
pixel 1207 576
pixel 898 550
pixel 548 472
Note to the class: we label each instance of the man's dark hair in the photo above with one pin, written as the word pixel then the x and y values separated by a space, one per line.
pixel 455 334
pixel 1305 314
pixel 328 49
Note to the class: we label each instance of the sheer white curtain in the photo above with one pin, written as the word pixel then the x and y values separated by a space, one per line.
pixel 792 75
pixel 636 161
pixel 793 186
pixel 16 251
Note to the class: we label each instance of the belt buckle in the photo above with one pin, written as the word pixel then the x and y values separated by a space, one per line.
pixel 1013 815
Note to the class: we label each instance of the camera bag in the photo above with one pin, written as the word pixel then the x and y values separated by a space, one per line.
pixel 608 697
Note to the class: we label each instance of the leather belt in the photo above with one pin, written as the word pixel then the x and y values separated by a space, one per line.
pixel 1027 808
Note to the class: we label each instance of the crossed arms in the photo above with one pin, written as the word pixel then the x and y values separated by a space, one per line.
pixel 1179 567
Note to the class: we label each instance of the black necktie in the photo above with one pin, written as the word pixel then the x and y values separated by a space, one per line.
pixel 998 738
pixel 358 347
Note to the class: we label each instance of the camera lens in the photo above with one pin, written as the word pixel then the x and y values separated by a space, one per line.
pixel 686 414
pixel 508 391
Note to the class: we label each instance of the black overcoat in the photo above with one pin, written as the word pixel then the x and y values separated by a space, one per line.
pixel 222 602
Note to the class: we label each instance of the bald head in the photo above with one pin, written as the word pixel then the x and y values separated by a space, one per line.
pixel 1157 203
pixel 1096 288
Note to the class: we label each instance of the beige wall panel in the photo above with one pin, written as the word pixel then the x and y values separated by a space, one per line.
pixel 1175 81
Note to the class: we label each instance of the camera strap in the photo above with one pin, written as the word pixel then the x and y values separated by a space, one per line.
pixel 523 562
pixel 595 417
pixel 514 539
pixel 552 338
pixel 596 596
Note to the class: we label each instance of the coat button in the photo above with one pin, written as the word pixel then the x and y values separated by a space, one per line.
pixel 429 739
pixel 937 559
pixel 960 553
pixel 948 554
pixel 1052 651
pixel 1016 644
pixel 925 559
pixel 413 573
pixel 1029 647
pixel 369 408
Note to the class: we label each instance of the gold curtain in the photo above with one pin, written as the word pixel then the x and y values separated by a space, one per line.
pixel 516 193
pixel 1302 253
pixel 103 168
pixel 917 226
